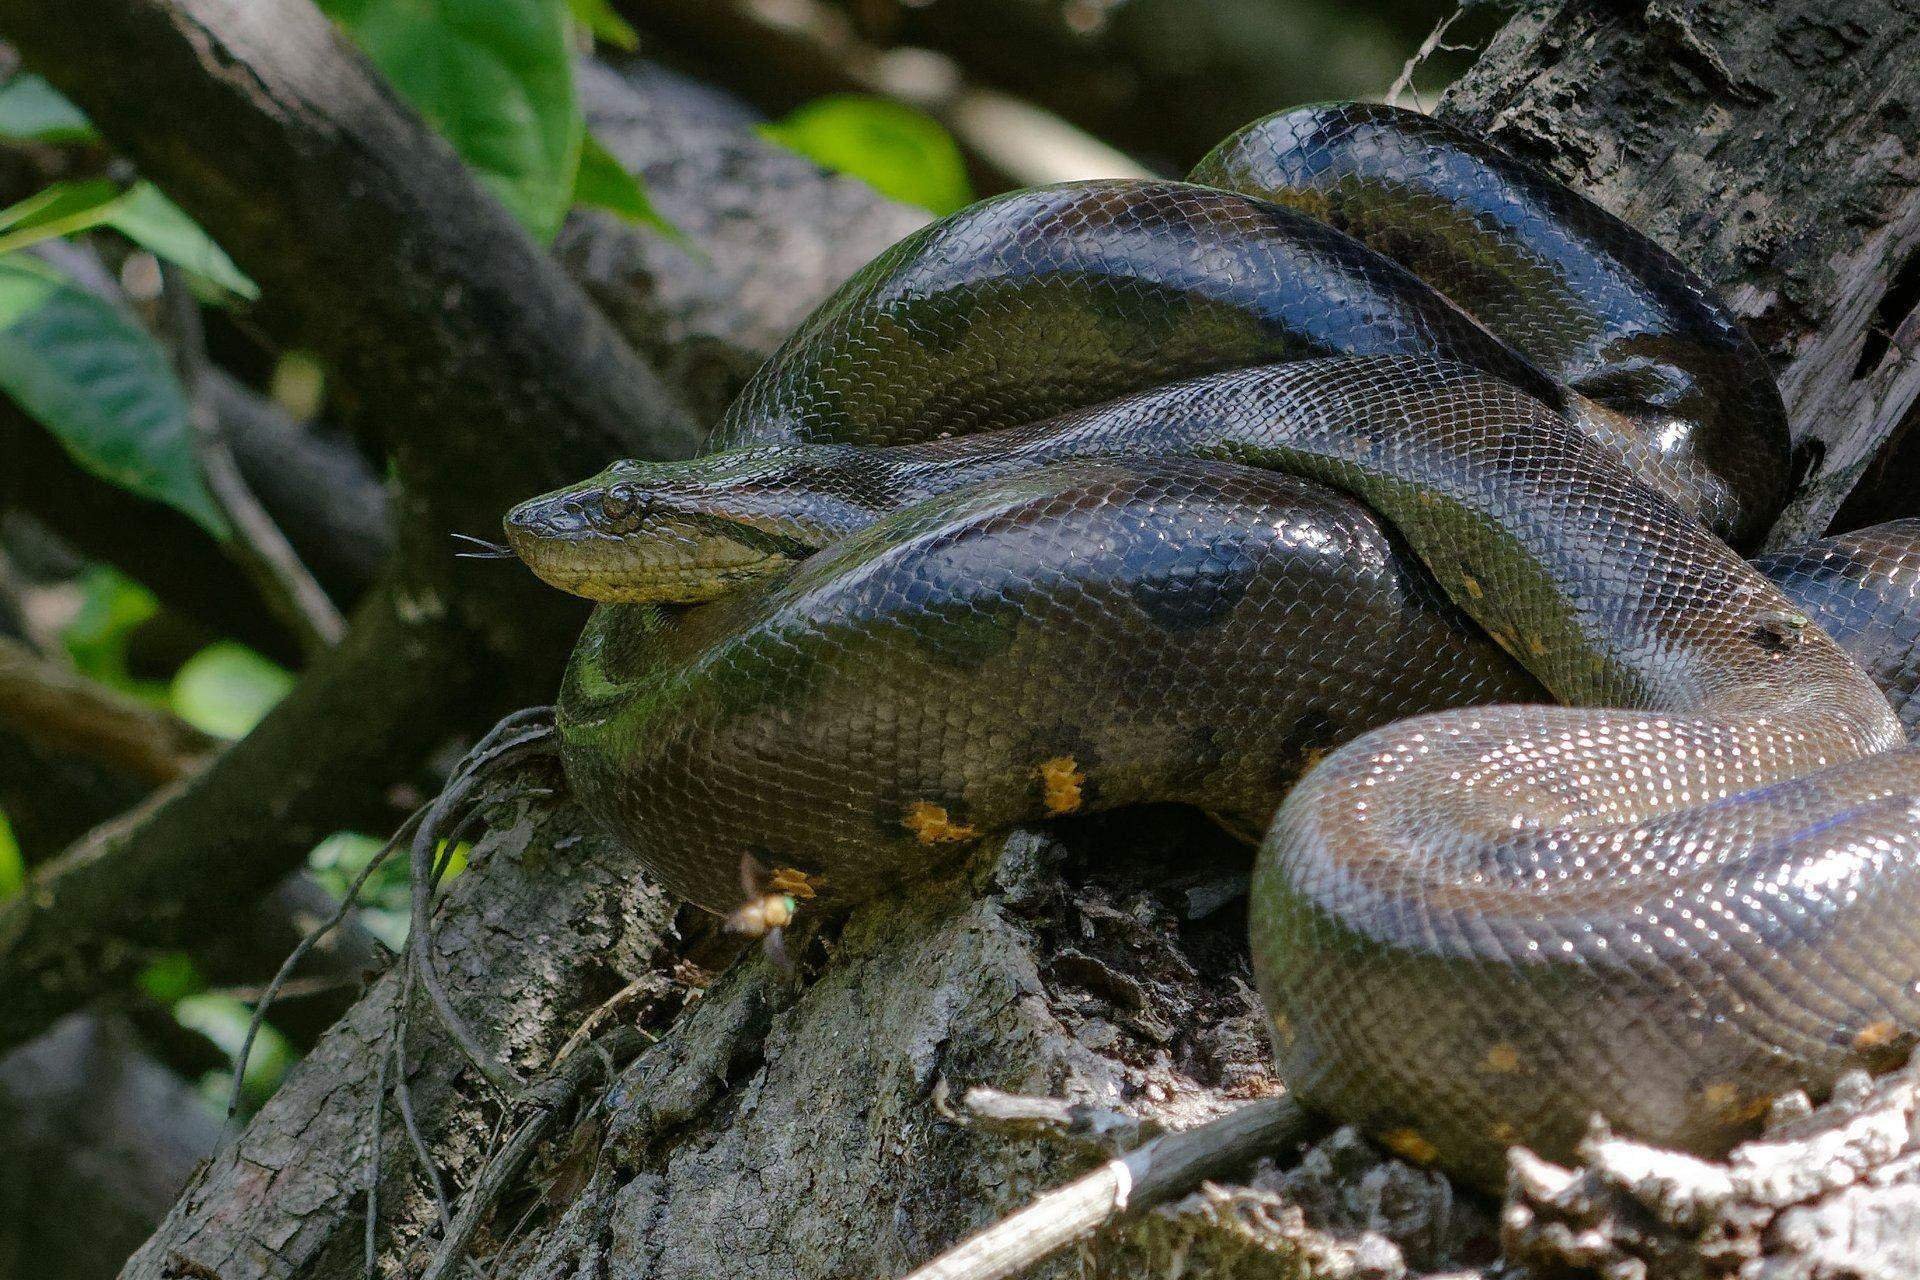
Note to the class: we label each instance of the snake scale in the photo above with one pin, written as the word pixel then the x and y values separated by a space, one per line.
pixel 1371 491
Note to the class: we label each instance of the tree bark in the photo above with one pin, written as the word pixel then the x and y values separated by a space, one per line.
pixel 535 934
pixel 1773 149
pixel 798 1132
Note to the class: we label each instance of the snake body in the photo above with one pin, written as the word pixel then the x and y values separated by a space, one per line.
pixel 1149 491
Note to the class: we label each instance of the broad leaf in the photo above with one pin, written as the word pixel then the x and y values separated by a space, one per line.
pixel 57 210
pixel 225 688
pixel 495 77
pixel 31 110
pixel 99 382
pixel 604 183
pixel 900 152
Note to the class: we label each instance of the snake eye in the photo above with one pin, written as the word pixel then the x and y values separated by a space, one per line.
pixel 619 502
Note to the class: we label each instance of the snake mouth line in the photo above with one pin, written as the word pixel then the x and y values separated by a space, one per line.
pixel 687 584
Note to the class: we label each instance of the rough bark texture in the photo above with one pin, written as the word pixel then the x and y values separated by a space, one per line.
pixel 796 1132
pixel 1828 1194
pixel 1774 148
pixel 536 934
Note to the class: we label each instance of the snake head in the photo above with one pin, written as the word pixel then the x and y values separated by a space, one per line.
pixel 693 530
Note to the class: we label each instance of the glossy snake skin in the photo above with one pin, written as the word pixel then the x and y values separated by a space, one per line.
pixel 1146 491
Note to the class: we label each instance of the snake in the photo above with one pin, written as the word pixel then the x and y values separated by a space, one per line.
pixel 1370 491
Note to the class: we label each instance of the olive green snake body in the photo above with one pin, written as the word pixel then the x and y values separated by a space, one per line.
pixel 1124 491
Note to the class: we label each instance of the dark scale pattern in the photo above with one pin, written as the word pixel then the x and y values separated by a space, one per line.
pixel 1606 312
pixel 947 653
pixel 1668 902
pixel 1039 301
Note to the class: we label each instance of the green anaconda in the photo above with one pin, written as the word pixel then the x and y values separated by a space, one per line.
pixel 1133 491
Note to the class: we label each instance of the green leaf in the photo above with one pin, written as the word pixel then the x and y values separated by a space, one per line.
pixel 225 688
pixel 223 1020
pixel 898 151
pixel 172 977
pixel 101 385
pixel 112 608
pixel 604 183
pixel 158 225
pixel 140 213
pixel 58 210
pixel 496 78
pixel 598 17
pixel 13 868
pixel 31 110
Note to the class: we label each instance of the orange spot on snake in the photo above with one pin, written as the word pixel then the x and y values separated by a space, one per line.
pixel 931 825
pixel 1728 1100
pixel 796 883
pixel 1721 1097
pixel 1409 1145
pixel 1875 1035
pixel 1060 783
pixel 1472 585
pixel 1503 1058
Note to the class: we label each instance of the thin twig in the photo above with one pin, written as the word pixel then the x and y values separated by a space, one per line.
pixel 373 1143
pixel 1122 1187
pixel 403 1094
pixel 549 1099
pixel 1078 1124
pixel 257 543
pixel 403 1088
pixel 593 1020
pixel 347 902
pixel 515 737
pixel 1404 84
pixel 278 985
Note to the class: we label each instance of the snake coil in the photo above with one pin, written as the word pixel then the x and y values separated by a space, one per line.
pixel 1344 459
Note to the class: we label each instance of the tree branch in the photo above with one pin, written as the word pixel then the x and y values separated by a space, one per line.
pixel 533 954
pixel 257 543
pixel 58 708
pixel 1148 1176
pixel 182 863
pixel 490 373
